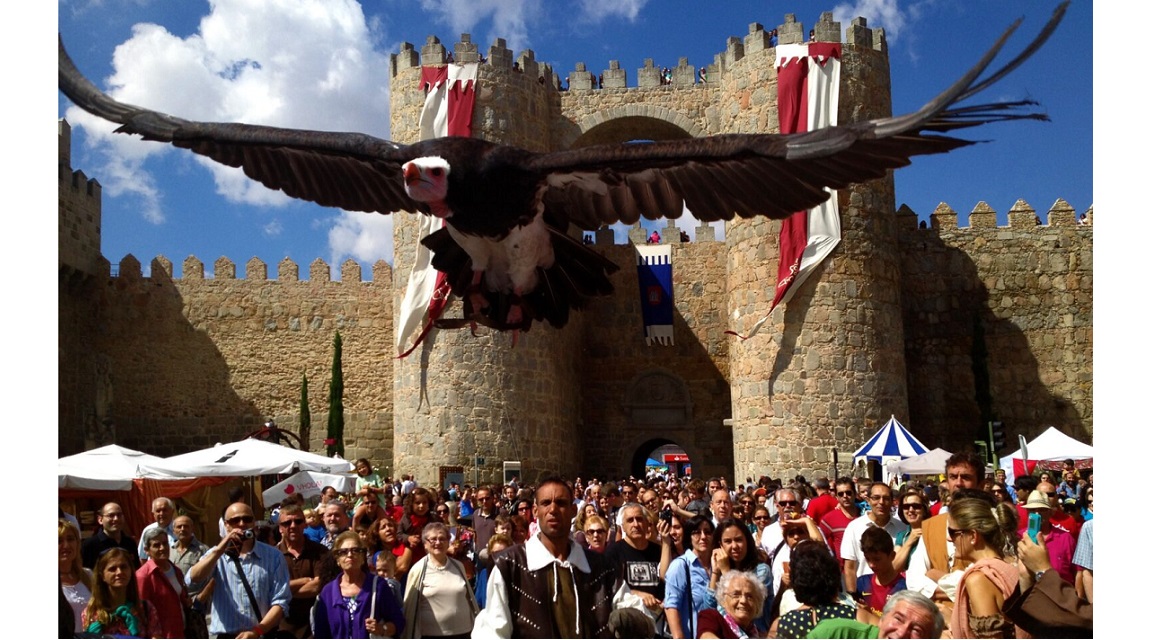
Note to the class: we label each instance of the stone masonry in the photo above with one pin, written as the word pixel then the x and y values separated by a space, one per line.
pixel 898 320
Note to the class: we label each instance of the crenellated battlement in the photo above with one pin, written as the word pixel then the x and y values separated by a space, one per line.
pixel 499 57
pixel 1022 217
pixel 256 270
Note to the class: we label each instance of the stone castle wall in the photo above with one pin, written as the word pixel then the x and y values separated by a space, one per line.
pixel 1028 286
pixel 886 325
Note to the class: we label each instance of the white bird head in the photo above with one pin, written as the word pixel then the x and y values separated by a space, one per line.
pixel 426 179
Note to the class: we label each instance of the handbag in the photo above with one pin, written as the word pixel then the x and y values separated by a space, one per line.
pixel 372 607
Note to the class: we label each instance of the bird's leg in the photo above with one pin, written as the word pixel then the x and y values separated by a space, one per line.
pixel 515 337
pixel 515 309
pixel 475 296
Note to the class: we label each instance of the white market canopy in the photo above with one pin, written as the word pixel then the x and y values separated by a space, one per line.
pixel 1052 445
pixel 931 462
pixel 245 458
pixel 892 441
pixel 108 468
pixel 308 484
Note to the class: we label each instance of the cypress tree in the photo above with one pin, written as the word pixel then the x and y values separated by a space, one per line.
pixel 335 439
pixel 305 414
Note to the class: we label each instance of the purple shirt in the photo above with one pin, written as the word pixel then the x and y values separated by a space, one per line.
pixel 333 618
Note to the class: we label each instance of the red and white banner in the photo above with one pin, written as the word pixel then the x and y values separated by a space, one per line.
pixel 451 94
pixel 808 96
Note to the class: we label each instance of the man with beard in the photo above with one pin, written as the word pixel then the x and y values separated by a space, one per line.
pixel 549 587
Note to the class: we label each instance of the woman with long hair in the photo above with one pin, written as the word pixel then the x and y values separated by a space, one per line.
pixel 983 535
pixel 686 584
pixel 734 549
pixel 390 541
pixel 358 602
pixel 815 579
pixel 75 580
pixel 912 508
pixel 116 607
pixel 438 602
pixel 1000 492
pixel 671 531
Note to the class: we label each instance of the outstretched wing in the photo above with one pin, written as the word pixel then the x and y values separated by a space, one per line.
pixel 769 175
pixel 352 171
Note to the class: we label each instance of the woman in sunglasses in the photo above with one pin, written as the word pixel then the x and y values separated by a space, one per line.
pixel 358 602
pixel 913 509
pixel 983 535
pixel 596 533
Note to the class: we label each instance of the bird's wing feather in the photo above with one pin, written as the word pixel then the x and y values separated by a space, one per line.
pixel 352 171
pixel 771 175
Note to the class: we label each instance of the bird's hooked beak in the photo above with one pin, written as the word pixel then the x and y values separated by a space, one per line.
pixel 411 173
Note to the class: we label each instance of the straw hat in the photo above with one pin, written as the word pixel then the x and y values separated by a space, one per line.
pixel 1037 500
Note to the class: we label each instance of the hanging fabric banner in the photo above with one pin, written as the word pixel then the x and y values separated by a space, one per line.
pixel 451 94
pixel 654 272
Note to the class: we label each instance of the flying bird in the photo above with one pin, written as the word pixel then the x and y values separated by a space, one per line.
pixel 507 211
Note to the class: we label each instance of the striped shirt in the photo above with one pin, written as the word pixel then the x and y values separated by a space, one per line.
pixel 267 574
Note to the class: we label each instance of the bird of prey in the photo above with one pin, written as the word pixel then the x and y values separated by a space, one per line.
pixel 507 211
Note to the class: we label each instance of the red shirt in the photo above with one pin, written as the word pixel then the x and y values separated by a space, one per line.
pixel 821 505
pixel 833 525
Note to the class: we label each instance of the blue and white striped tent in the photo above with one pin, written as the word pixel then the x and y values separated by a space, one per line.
pixel 892 442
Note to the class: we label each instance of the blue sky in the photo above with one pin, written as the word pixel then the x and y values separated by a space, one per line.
pixel 196 60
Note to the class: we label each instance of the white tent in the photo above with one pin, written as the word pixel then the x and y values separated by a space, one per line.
pixel 1052 445
pixel 931 462
pixel 245 458
pixel 108 468
pixel 308 484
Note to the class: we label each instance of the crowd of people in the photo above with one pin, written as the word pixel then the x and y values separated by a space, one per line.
pixel 970 557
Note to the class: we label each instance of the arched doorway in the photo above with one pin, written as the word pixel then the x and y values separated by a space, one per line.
pixel 666 453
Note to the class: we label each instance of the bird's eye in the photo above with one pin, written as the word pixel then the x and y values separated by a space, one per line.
pixel 437 172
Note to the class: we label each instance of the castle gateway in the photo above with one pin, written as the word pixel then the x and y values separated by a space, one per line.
pixel 944 326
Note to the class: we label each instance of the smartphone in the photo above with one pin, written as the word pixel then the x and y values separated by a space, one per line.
pixel 1035 521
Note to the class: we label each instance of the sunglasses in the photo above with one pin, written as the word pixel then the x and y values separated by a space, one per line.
pixel 293 521
pixel 845 494
pixel 355 551
pixel 761 518
pixel 913 506
pixel 596 532
pixel 952 533
pixel 240 520
pixel 788 503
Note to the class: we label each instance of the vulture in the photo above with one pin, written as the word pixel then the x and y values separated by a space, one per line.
pixel 504 245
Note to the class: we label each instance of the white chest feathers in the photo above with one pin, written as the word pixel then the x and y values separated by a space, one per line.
pixel 510 264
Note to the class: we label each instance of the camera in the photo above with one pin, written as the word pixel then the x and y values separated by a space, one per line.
pixel 666 515
pixel 248 534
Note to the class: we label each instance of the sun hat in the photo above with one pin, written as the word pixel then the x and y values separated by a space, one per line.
pixel 1037 500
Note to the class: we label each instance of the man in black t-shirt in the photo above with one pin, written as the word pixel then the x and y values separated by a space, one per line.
pixel 637 558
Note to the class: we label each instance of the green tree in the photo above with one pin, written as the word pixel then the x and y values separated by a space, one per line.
pixel 305 414
pixel 335 440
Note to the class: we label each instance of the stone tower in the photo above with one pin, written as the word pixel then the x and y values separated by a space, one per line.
pixel 831 370
pixel 459 398
pixel 828 368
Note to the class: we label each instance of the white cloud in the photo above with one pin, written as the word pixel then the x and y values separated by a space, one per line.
pixel 879 13
pixel 273 228
pixel 242 66
pixel 598 10
pixel 364 237
pixel 509 19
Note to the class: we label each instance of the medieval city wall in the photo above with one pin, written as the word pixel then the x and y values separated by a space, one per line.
pixel 196 360
pixel 1011 302
pixel 895 321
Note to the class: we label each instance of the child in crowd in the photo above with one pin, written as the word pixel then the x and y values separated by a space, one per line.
pixel 873 589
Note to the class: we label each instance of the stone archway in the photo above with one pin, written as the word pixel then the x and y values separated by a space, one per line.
pixel 642 451
pixel 633 122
